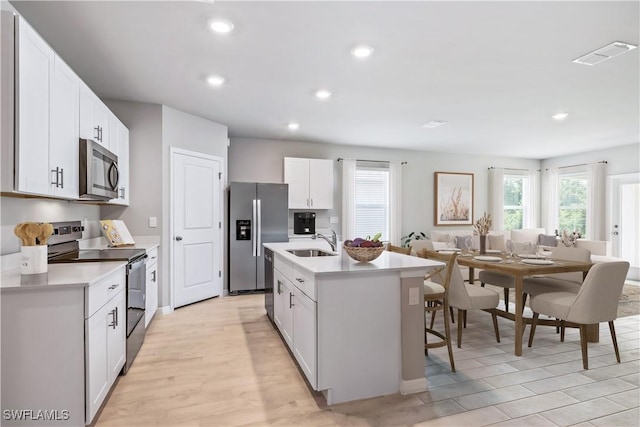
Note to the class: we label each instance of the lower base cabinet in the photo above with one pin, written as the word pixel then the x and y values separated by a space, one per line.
pixel 295 315
pixel 105 339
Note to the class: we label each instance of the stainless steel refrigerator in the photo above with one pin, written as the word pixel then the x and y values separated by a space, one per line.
pixel 258 213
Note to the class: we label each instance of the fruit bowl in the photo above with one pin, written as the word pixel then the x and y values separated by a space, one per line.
pixel 363 254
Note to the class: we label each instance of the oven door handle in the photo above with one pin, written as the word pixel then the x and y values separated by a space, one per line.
pixel 134 264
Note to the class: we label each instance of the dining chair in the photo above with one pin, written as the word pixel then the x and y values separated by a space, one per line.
pixel 436 299
pixel 464 297
pixel 594 302
pixel 398 249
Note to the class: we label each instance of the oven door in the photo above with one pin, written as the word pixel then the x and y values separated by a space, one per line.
pixel 136 292
pixel 98 171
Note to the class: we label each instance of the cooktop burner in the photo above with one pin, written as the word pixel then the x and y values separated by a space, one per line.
pixel 94 255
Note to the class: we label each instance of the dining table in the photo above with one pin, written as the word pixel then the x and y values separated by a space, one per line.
pixel 519 268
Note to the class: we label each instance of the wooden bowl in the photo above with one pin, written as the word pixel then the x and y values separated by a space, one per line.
pixel 363 254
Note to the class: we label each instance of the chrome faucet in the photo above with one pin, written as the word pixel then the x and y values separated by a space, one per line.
pixel 333 242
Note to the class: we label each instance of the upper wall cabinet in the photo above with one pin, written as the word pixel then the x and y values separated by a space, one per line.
pixel 46 119
pixel 94 118
pixel 119 145
pixel 310 183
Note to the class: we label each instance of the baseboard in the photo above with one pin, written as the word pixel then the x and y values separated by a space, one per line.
pixel 166 309
pixel 413 386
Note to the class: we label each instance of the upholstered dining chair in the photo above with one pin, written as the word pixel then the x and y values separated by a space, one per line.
pixel 464 297
pixel 596 301
pixel 436 299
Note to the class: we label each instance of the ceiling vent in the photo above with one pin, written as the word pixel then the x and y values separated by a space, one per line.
pixel 604 53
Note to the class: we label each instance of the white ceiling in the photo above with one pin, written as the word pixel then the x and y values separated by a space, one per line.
pixel 495 71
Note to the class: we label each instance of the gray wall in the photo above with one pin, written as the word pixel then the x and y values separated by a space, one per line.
pixel 153 130
pixel 262 161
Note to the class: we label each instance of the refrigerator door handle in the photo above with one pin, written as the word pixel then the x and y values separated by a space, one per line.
pixel 259 231
pixel 253 229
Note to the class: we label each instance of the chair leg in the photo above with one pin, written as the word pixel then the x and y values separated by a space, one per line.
pixel 612 329
pixel 460 315
pixel 464 316
pixel 482 284
pixel 495 324
pixel 562 330
pixel 583 345
pixel 506 299
pixel 534 321
pixel 447 334
pixel 433 318
pixel 453 320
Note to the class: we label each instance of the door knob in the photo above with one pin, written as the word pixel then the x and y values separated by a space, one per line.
pixel 178 238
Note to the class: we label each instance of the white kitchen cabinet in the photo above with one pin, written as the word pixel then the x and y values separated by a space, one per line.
pixel 282 307
pixel 295 314
pixel 304 334
pixel 151 302
pixel 119 145
pixel 105 339
pixel 94 117
pixel 310 183
pixel 46 119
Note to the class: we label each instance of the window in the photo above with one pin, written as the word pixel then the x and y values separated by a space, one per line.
pixel 516 211
pixel 572 202
pixel 372 202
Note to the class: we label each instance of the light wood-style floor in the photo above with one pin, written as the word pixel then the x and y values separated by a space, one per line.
pixel 221 363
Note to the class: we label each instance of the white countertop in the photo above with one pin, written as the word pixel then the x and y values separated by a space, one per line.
pixel 342 263
pixel 78 274
pixel 142 242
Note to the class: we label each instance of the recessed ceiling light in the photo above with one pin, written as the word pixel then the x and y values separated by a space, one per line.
pixel 434 123
pixel 293 126
pixel 323 94
pixel 560 116
pixel 604 53
pixel 362 51
pixel 216 81
pixel 221 26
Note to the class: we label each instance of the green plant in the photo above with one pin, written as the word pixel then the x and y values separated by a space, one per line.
pixel 414 235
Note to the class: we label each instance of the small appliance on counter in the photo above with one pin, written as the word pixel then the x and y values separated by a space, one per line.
pixel 304 223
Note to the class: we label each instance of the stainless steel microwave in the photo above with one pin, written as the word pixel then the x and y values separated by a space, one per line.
pixel 98 171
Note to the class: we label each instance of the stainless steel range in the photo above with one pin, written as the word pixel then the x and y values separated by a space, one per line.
pixel 63 247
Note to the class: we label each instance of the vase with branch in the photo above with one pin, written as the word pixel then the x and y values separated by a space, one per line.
pixel 481 228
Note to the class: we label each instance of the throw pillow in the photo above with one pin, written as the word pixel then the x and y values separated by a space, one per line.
pixel 547 240
pixel 496 241
pixel 438 236
pixel 460 242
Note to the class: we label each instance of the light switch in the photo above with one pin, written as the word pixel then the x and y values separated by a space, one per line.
pixel 153 222
pixel 413 296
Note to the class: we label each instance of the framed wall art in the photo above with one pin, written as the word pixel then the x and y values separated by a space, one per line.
pixel 453 198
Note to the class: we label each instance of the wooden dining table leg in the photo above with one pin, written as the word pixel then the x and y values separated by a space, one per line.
pixel 471 276
pixel 519 318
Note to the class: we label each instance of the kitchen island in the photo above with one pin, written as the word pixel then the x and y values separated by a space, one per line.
pixel 351 326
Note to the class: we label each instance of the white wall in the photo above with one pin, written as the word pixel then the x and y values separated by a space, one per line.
pixel 262 161
pixel 620 160
pixel 15 210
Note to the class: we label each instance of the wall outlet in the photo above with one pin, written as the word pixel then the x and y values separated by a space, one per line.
pixel 153 222
pixel 334 220
pixel 413 296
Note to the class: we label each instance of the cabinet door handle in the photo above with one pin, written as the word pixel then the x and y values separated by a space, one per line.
pixel 57 181
pixel 291 304
pixel 300 280
pixel 114 286
pixel 96 134
pixel 113 319
pixel 279 289
pixel 61 177
pixel 153 274
pixel 311 202
pixel 117 319
pixel 100 133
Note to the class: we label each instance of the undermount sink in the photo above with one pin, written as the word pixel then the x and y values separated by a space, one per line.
pixel 310 252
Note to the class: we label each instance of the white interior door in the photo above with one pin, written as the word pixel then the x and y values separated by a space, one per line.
pixel 625 228
pixel 196 231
